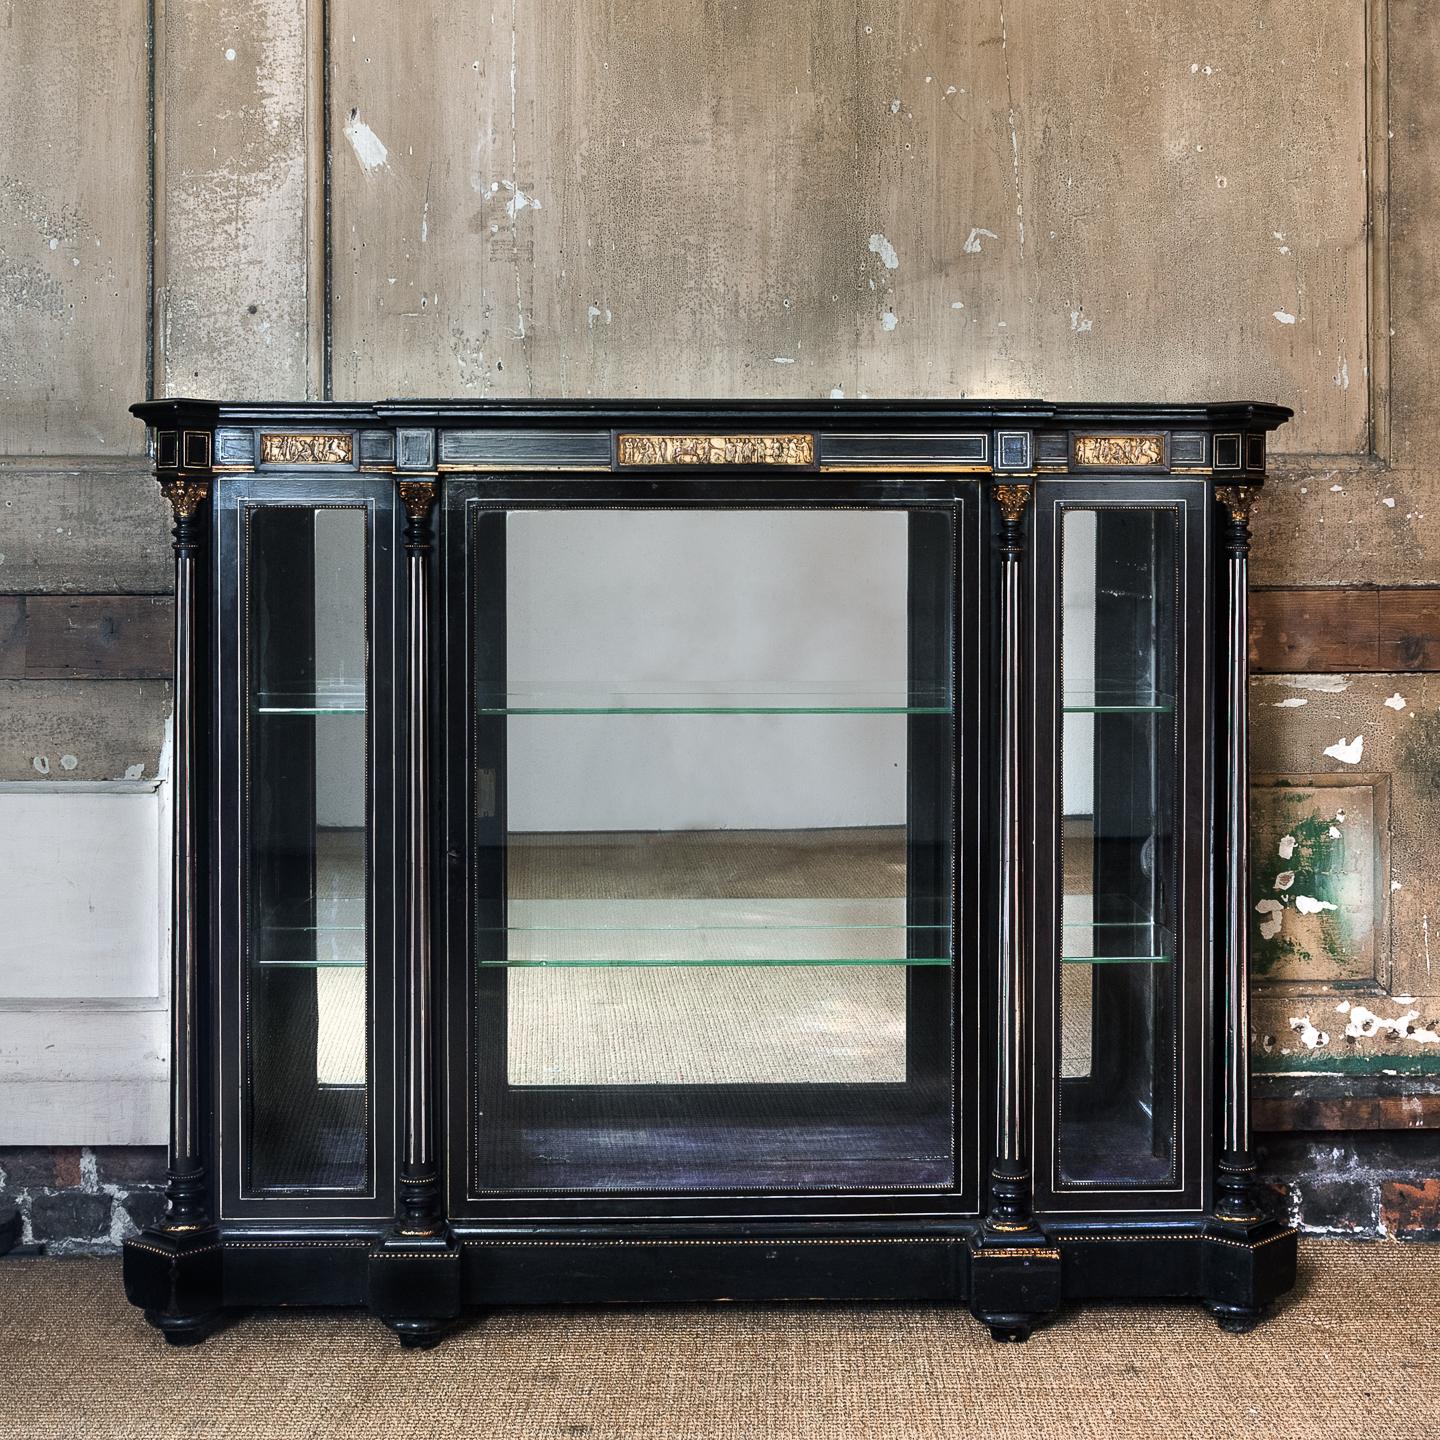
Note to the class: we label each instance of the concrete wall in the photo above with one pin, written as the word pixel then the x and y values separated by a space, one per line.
pixel 1137 202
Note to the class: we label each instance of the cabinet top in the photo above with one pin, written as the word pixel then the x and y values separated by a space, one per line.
pixel 421 437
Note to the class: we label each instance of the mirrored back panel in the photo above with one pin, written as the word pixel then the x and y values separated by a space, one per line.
pixel 712 891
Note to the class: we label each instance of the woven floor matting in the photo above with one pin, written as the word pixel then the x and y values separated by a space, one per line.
pixel 1352 1353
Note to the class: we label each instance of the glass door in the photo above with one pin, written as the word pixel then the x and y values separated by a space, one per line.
pixel 710 816
pixel 306 890
pixel 1116 957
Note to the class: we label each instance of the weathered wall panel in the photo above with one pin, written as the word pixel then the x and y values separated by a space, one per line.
pixel 59 730
pixel 1346 998
pixel 928 200
pixel 74 215
pixel 234 245
pixel 83 529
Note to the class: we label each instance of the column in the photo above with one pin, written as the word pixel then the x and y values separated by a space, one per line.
pixel 1009 1210
pixel 421 1213
pixel 186 1187
pixel 1234 1200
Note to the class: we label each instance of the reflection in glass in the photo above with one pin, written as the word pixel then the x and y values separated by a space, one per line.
pixel 1118 971
pixel 711 832
pixel 307 835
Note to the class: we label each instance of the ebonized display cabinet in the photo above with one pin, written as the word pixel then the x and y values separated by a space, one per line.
pixel 667 851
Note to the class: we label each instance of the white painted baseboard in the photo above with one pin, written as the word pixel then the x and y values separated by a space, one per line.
pixel 84 915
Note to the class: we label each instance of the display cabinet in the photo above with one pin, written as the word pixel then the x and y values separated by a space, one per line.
pixel 690 851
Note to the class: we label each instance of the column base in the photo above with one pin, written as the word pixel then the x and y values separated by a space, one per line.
pixel 175 1278
pixel 414 1286
pixel 1247 1266
pixel 1015 1282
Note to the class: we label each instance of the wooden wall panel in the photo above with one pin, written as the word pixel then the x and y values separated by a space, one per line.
pixel 1343 631
pixel 74 215
pixel 930 199
pixel 87 637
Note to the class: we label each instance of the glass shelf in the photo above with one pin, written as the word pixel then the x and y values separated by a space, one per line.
pixel 687 697
pixel 689 932
pixel 337 699
pixel 1135 941
pixel 328 947
pixel 1117 700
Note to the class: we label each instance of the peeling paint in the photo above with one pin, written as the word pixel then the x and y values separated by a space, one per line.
pixel 1308 905
pixel 889 320
pixel 369 148
pixel 1271 913
pixel 1348 752
pixel 972 241
pixel 1284 317
pixel 1310 1037
pixel 880 246
pixel 1287 846
pixel 1293 703
pixel 1366 1025
pixel 1396 701
pixel 1321 684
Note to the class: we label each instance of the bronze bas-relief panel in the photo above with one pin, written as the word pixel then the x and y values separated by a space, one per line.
pixel 796 449
pixel 1120 451
pixel 289 449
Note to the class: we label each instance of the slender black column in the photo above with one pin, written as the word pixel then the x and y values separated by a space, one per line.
pixel 173 1272
pixel 420 1209
pixel 1234 1197
pixel 414 1273
pixel 1010 1175
pixel 186 1185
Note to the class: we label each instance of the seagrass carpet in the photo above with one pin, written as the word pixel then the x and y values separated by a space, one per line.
pixel 1354 1352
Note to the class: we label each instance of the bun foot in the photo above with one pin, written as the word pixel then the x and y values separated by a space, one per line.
pixel 1238 1319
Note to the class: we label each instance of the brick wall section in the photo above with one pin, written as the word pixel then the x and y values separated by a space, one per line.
pixel 1369 1185
pixel 78 1200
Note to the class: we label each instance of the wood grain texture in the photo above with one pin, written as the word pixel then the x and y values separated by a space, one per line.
pixel 1349 1112
pixel 86 637
pixel 924 199
pixel 74 121
pixel 1345 630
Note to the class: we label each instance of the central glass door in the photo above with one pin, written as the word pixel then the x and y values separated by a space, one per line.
pixel 711 869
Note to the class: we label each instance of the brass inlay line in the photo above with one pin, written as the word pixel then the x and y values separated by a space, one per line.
pixel 283 449
pixel 716 450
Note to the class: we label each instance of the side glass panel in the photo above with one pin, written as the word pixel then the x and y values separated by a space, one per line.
pixel 1119 966
pixel 712 819
pixel 307 956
